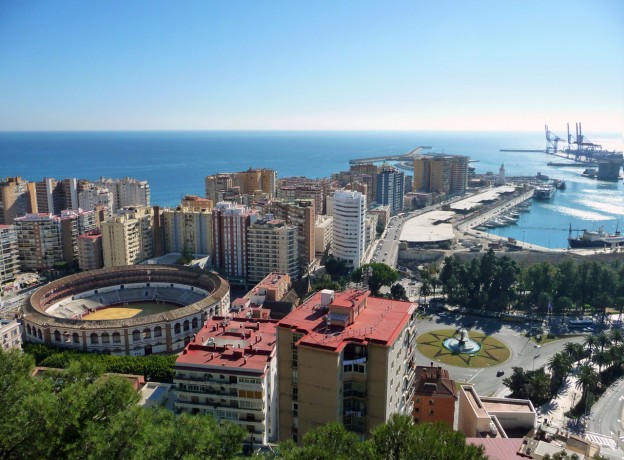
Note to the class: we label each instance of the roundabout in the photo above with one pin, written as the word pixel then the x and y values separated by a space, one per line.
pixel 450 346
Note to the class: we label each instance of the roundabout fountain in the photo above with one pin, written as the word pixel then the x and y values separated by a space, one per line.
pixel 463 344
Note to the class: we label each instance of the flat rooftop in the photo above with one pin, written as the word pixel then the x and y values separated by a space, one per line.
pixel 504 405
pixel 380 321
pixel 475 201
pixel 430 227
pixel 239 343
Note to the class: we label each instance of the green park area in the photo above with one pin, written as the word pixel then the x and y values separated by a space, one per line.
pixel 492 351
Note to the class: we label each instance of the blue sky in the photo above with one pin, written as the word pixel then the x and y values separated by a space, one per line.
pixel 328 65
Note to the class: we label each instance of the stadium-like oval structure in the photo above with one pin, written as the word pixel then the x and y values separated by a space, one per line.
pixel 131 310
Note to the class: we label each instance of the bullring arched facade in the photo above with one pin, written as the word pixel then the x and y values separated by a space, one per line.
pixel 166 332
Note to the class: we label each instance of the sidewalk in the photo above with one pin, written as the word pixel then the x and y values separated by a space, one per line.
pixel 553 411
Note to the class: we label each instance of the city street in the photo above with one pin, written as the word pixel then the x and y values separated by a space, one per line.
pixel 607 418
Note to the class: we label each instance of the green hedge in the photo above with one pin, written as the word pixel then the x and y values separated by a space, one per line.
pixel 157 368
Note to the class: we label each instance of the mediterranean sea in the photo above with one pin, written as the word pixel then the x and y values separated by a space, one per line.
pixel 175 164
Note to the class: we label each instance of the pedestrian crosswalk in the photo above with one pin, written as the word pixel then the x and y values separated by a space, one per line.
pixel 601 440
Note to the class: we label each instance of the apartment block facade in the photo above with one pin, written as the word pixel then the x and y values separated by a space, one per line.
pixel 441 174
pixel 434 396
pixel 323 233
pixel 90 256
pixel 349 239
pixel 345 357
pixel 126 192
pixel 9 254
pixel 390 188
pixel 39 240
pixel 127 238
pixel 230 224
pixel 299 213
pixel 229 371
pixel 188 228
pixel 272 247
pixel 16 199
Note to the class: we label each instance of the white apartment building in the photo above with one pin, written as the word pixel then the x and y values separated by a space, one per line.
pixel 349 212
pixel 97 196
pixel 126 192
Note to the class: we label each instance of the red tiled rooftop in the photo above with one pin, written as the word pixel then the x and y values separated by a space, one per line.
pixel 380 321
pixel 243 343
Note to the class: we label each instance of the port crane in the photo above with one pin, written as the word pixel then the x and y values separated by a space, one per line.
pixel 584 147
pixel 552 141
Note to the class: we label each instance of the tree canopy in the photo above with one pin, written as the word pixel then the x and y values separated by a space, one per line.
pixel 376 276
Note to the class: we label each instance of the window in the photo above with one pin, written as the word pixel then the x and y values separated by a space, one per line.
pixel 147 333
pixel 176 328
pixel 57 336
pixel 157 331
pixel 105 337
pixel 136 335
pixel 116 337
pixel 76 338
pixel 431 402
pixel 186 325
pixel 431 412
pixel 94 339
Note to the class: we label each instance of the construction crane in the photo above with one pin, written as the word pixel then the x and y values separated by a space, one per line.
pixel 552 141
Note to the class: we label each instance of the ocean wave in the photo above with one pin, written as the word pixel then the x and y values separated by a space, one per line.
pixel 578 213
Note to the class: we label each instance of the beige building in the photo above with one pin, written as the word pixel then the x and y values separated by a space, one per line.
pixel 272 247
pixel 299 213
pixel 39 241
pixel 345 357
pixel 196 203
pixel 216 184
pixel 17 198
pixel 323 233
pixel 188 228
pixel 254 180
pixel 493 417
pixel 127 192
pixel 441 174
pixel 9 254
pixel 127 238
pixel 90 250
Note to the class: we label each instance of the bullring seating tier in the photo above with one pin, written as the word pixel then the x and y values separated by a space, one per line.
pixel 75 309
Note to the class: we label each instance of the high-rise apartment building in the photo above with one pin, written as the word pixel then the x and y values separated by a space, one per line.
pixel 90 255
pixel 127 238
pixel 188 228
pixel 17 198
pixel 73 224
pixel 9 254
pixel 229 371
pixel 53 196
pixel 299 213
pixel 230 223
pixel 304 188
pixel 390 188
pixel 216 184
pixel 349 238
pixel 370 170
pixel 39 240
pixel 272 247
pixel 440 174
pixel 254 180
pixel 126 192
pixel 345 357
pixel 93 198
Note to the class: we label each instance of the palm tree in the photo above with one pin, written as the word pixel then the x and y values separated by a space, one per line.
pixel 425 289
pixel 574 350
pixel 616 336
pixel 603 340
pixel 560 366
pixel 591 341
pixel 587 380
pixel 603 358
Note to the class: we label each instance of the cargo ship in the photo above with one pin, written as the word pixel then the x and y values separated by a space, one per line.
pixel 596 239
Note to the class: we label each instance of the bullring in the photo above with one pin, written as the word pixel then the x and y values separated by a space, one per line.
pixel 55 313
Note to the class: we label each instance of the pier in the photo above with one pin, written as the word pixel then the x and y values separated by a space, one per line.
pixel 405 156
